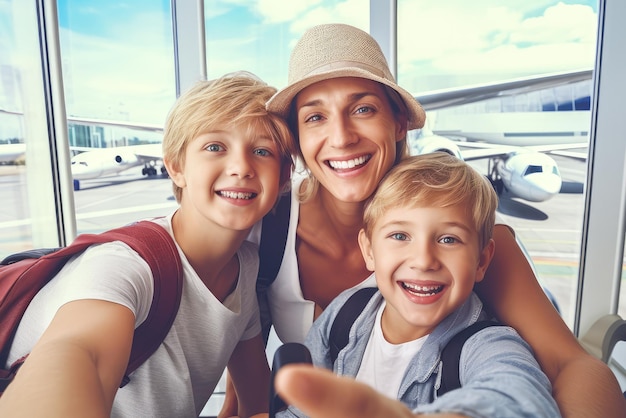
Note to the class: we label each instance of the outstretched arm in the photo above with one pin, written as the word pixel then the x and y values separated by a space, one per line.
pixel 582 385
pixel 77 365
pixel 321 394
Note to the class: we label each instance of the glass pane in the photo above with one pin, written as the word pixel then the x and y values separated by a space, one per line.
pixel 258 36
pixel 118 71
pixel 21 122
pixel 486 42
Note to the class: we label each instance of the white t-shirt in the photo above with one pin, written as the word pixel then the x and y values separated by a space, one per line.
pixel 178 379
pixel 384 364
pixel 292 315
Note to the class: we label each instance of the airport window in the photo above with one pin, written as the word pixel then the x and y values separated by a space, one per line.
pixel 117 66
pixel 475 47
pixel 29 201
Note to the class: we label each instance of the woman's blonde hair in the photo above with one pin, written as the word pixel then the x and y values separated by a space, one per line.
pixel 234 99
pixel 437 179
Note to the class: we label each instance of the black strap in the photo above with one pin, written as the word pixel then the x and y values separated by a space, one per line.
pixel 271 250
pixel 273 240
pixel 451 356
pixel 340 330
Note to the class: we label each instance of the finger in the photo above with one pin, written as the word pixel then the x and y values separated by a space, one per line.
pixel 321 394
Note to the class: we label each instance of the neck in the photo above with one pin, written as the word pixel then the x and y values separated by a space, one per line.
pixel 209 248
pixel 343 216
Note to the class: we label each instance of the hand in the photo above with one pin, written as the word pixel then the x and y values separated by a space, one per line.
pixel 321 394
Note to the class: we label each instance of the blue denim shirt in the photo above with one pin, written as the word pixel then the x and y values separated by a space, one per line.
pixel 498 373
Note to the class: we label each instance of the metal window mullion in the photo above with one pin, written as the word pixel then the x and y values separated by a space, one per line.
pixel 49 182
pixel 603 230
pixel 189 43
pixel 384 28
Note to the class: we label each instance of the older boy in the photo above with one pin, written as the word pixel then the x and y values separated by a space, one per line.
pixel 228 159
pixel 427 235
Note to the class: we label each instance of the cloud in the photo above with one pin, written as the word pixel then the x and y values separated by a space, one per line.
pixel 503 41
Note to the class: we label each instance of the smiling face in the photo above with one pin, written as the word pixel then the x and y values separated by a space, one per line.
pixel 426 260
pixel 230 177
pixel 348 135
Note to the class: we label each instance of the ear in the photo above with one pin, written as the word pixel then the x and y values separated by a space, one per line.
pixel 366 250
pixel 175 172
pixel 401 127
pixel 485 258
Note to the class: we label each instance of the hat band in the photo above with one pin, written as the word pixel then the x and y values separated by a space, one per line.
pixel 338 65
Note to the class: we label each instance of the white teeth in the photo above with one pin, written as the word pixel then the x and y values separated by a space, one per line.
pixel 348 163
pixel 423 290
pixel 237 195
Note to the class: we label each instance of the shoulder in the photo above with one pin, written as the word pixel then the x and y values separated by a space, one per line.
pixel 111 271
pixel 114 255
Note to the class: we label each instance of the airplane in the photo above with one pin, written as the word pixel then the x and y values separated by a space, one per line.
pixel 523 172
pixel 506 167
pixel 99 162
pixel 517 159
pixel 11 152
pixel 92 163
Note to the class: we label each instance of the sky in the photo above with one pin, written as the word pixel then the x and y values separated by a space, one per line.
pixel 117 54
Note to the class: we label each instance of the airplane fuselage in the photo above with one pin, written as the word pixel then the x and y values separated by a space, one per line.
pixel 530 176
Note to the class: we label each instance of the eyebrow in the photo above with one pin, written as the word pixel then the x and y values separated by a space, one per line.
pixel 402 224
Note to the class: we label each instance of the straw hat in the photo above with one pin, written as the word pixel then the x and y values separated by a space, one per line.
pixel 338 50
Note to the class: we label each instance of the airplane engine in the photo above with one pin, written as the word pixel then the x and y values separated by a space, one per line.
pixel 433 143
pixel 126 158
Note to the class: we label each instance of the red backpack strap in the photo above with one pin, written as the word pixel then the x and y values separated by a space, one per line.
pixel 151 241
pixel 155 245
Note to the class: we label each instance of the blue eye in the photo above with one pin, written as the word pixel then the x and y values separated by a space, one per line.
pixel 399 236
pixel 214 147
pixel 313 118
pixel 364 109
pixel 263 152
pixel 448 240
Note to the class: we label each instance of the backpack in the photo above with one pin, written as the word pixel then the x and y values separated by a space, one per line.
pixel 23 274
pixel 450 355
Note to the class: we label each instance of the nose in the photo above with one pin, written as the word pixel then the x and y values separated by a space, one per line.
pixel 422 256
pixel 240 165
pixel 341 133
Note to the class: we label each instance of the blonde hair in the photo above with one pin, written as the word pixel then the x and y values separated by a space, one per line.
pixel 231 100
pixel 436 179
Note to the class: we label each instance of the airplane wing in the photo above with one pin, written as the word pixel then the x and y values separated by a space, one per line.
pixel 477 150
pixel 116 123
pixel 439 99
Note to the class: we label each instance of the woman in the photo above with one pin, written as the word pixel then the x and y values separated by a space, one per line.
pixel 350 121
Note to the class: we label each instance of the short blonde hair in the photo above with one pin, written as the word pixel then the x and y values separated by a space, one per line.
pixel 231 100
pixel 436 179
